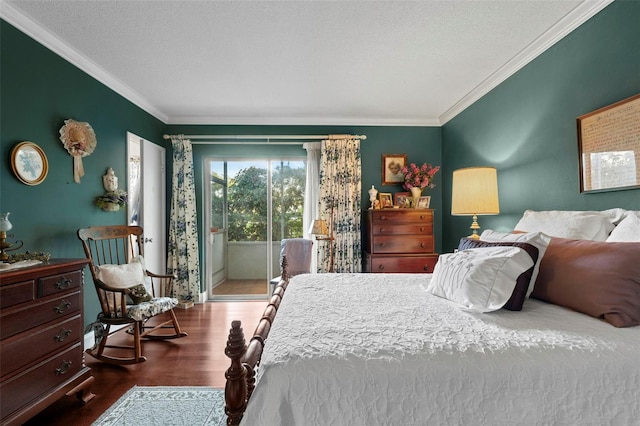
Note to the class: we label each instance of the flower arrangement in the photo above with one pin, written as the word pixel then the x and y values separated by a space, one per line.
pixel 112 200
pixel 419 177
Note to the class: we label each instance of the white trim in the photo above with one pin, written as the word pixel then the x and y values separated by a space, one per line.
pixel 90 340
pixel 52 42
pixel 307 121
pixel 564 26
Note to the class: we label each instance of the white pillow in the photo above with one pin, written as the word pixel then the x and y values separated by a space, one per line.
pixel 537 239
pixel 480 279
pixel 627 231
pixel 121 276
pixel 576 225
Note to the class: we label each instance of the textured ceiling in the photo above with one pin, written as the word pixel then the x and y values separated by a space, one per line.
pixel 300 62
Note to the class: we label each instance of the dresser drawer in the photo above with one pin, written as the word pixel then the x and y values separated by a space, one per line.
pixel 25 348
pixel 401 216
pixel 409 264
pixel 58 283
pixel 32 383
pixel 16 293
pixel 400 229
pixel 407 244
pixel 40 312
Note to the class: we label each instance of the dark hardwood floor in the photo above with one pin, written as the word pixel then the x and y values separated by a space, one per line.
pixel 195 360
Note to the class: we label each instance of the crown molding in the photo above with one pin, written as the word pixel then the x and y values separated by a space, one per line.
pixel 564 26
pixel 49 40
pixel 306 121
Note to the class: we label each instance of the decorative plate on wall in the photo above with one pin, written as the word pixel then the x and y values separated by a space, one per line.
pixel 29 163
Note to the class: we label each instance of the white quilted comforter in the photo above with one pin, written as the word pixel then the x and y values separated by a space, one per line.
pixel 376 349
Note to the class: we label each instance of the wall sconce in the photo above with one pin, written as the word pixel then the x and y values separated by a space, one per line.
pixel 5 226
pixel 475 192
pixel 324 232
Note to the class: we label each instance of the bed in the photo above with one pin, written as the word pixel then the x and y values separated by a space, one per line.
pixel 381 349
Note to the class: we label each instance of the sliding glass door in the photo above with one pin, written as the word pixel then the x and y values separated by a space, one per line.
pixel 253 204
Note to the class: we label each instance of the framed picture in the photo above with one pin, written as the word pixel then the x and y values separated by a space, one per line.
pixel 423 202
pixel 609 147
pixel 392 165
pixel 402 199
pixel 29 163
pixel 385 200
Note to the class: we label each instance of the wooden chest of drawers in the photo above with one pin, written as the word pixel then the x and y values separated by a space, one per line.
pixel 398 240
pixel 41 338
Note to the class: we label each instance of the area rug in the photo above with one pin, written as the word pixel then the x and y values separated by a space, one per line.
pixel 166 405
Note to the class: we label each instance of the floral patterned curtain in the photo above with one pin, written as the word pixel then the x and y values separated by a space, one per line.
pixel 183 260
pixel 340 193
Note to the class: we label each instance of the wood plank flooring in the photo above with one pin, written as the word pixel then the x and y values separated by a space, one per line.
pixel 242 287
pixel 195 360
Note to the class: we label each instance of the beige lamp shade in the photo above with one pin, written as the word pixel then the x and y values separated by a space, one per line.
pixel 475 191
pixel 319 227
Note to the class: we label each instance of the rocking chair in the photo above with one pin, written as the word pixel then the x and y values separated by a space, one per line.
pixel 126 292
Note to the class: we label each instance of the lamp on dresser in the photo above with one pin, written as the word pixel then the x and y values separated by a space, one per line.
pixel 475 192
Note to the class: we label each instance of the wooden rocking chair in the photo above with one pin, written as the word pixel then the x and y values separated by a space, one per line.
pixel 126 291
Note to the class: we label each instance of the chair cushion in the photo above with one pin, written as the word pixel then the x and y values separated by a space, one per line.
pixel 153 307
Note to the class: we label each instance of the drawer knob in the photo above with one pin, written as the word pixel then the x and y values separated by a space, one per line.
pixel 421 245
pixel 63 283
pixel 383 217
pixel 421 229
pixel 62 307
pixel 422 217
pixel 64 333
pixel 382 229
pixel 380 267
pixel 64 367
pixel 426 267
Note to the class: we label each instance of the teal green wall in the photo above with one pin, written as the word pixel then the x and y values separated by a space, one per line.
pixel 39 91
pixel 526 127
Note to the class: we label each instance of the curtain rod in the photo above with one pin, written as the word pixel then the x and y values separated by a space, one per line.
pixel 268 138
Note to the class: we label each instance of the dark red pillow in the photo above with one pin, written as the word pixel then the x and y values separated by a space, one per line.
pixel 596 278
pixel 519 294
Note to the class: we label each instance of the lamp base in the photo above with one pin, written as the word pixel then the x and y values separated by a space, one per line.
pixel 474 228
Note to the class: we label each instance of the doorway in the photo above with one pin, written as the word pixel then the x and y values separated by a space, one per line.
pixel 146 178
pixel 252 205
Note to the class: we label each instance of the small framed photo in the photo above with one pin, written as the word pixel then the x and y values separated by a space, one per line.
pixel 29 163
pixel 402 199
pixel 423 202
pixel 392 165
pixel 385 200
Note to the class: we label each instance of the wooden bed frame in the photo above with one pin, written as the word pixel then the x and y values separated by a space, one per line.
pixel 246 358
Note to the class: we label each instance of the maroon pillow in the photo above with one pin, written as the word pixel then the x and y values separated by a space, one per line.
pixel 519 294
pixel 596 278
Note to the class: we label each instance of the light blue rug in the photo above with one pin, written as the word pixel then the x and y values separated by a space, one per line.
pixel 166 405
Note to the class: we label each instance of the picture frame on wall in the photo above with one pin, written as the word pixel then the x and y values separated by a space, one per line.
pixel 385 199
pixel 392 165
pixel 29 163
pixel 609 147
pixel 423 202
pixel 402 199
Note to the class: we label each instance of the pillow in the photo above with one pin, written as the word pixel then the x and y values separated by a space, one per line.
pixel 139 294
pixel 480 279
pixel 519 294
pixel 129 275
pixel 596 278
pixel 579 225
pixel 537 239
pixel 626 231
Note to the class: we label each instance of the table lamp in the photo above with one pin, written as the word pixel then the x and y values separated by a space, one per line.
pixel 474 193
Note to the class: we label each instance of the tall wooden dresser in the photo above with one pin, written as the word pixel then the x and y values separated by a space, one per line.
pixel 41 338
pixel 398 240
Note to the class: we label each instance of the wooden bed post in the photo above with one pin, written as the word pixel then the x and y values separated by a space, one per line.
pixel 236 388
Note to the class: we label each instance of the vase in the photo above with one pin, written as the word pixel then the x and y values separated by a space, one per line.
pixel 415 193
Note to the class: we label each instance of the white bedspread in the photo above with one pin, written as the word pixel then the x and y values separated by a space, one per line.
pixel 376 349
